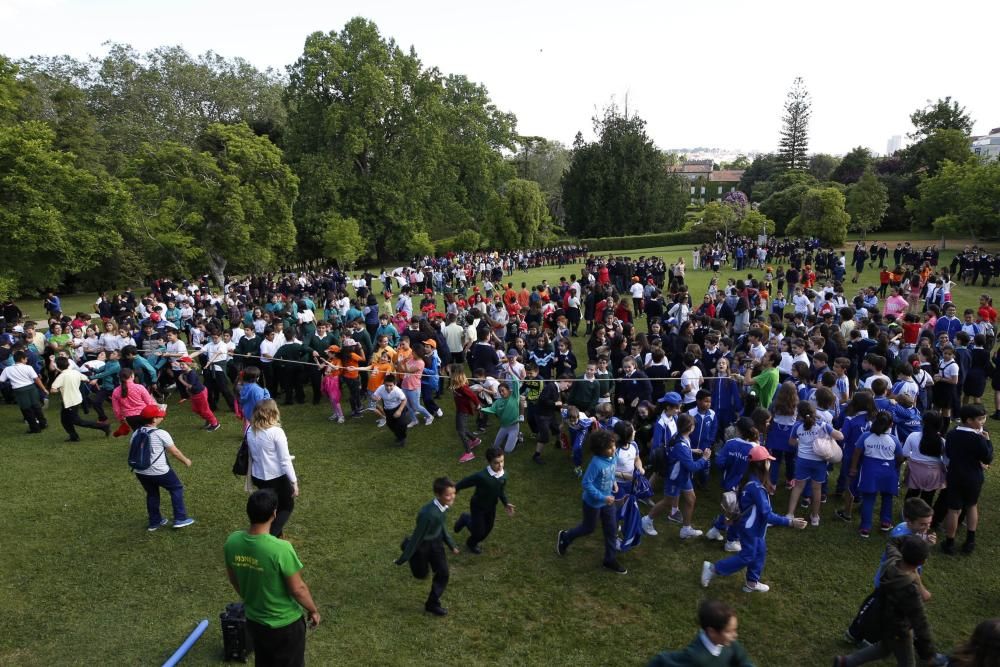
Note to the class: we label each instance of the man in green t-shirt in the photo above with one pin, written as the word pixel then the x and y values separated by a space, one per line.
pixel 266 572
pixel 765 383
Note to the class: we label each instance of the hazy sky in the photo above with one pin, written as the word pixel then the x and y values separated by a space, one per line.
pixel 701 73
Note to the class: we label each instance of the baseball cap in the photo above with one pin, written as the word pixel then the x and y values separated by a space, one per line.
pixel 672 398
pixel 186 360
pixel 760 453
pixel 153 412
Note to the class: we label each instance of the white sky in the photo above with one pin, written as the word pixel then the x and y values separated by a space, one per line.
pixel 701 73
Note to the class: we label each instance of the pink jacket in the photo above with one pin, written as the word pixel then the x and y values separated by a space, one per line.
pixel 131 405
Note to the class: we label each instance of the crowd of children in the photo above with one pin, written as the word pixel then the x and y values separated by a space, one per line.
pixel 811 389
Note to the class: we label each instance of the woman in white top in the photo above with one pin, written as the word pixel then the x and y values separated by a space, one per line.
pixel 270 463
pixel 925 470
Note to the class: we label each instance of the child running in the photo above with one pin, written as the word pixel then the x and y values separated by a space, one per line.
pixel 681 467
pixel 733 459
pixel 424 549
pixel 491 488
pixel 196 391
pixel 466 407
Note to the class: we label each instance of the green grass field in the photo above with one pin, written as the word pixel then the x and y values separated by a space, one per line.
pixel 84 583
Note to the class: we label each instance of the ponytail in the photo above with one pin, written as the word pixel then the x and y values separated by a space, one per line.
pixel 807 414
pixel 123 375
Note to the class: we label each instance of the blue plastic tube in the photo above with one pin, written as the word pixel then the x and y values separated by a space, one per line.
pixel 188 643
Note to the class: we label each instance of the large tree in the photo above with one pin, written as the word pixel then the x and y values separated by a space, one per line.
pixel 619 184
pixel 853 166
pixel 225 207
pixel 867 201
pixel 762 169
pixel 822 165
pixel 405 151
pixel 943 114
pixel 962 198
pixel 822 215
pixel 793 148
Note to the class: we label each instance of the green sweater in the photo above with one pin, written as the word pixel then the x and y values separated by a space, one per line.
pixel 507 409
pixel 293 352
pixel 604 382
pixel 584 395
pixel 489 489
pixel 430 527
pixel 696 655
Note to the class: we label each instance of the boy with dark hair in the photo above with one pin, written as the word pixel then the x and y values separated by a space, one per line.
pixel 599 489
pixel 266 572
pixel 26 385
pixel 424 549
pixel 715 644
pixel 968 451
pixel 491 488
pixel 901 615
pixel 68 383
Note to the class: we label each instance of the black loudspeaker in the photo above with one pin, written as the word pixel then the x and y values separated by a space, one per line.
pixel 236 641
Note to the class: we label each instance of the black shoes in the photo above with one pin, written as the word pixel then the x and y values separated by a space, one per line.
pixel 474 549
pixel 968 547
pixel 561 544
pixel 616 567
pixel 435 609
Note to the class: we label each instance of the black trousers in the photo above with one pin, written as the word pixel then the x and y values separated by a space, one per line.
pixel 291 381
pixel 430 556
pixel 279 647
pixel 480 524
pixel 70 419
pixel 286 503
pixel 397 425
pixel 217 383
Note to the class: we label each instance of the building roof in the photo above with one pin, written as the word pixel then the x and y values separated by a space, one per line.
pixel 693 168
pixel 726 175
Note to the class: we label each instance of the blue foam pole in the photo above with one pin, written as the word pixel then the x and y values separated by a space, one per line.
pixel 188 643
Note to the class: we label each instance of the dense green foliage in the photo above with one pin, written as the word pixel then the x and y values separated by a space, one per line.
pixel 822 215
pixel 962 198
pixel 606 243
pixel 619 183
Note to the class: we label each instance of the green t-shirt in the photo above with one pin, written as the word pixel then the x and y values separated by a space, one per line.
pixel 262 563
pixel 766 384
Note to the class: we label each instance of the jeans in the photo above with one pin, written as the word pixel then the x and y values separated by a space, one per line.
pixel 413 405
pixel 609 526
pixel 427 394
pixel 152 485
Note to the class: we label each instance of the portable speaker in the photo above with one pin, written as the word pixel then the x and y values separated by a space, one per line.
pixel 236 641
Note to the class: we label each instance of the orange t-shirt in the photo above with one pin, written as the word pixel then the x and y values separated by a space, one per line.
pixel 377 375
pixel 350 366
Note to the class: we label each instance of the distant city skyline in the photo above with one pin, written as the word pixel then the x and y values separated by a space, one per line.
pixel 710 75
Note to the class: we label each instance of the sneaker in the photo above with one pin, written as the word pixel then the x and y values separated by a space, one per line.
pixel 733 547
pixel 689 532
pixel 440 413
pixel 840 514
pixel 437 610
pixel 340 420
pixel 715 535
pixel 885 527
pixel 214 427
pixel 615 567
pixel 537 458
pixel 412 424
pixel 430 420
pixel 578 471
pixel 814 521
pixel 332 418
pixel 647 526
pixel 849 638
pixel 822 500
pixel 865 533
pixel 804 503
pixel 755 587
pixel 948 548
pixel 707 572
pixel 154 527
pixel 183 524
pixel 968 547
pixel 561 545
pixel 466 457
pixel 475 442
pixel 675 517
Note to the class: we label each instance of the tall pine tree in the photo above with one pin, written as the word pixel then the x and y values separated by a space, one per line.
pixel 794 145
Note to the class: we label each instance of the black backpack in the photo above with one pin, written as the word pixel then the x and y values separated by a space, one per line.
pixel 140 450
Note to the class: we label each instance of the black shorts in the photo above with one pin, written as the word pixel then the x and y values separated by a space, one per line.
pixel 963 493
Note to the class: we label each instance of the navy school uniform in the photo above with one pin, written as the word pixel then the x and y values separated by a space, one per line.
pixel 706 428
pixel 854 429
pixel 755 516
pixel 732 460
pixel 727 400
pixel 778 435
pixel 681 466
pixel 878 475
pixel 906 421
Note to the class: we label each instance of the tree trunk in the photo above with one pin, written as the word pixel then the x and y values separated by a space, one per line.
pixel 217 265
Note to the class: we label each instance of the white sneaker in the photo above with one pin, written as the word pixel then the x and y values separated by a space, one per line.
pixel 707 572
pixel 733 547
pixel 714 534
pixel 430 420
pixel 340 419
pixel 647 527
pixel 380 423
pixel 814 521
pixel 332 418
pixel 412 424
pixel 688 531
pixel 440 413
pixel 756 588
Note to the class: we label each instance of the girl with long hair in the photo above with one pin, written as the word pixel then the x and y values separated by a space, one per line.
pixel 270 462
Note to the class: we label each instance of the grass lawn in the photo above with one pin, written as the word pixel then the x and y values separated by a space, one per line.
pixel 84 583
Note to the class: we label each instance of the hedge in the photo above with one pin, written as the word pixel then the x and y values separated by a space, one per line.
pixel 646 240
